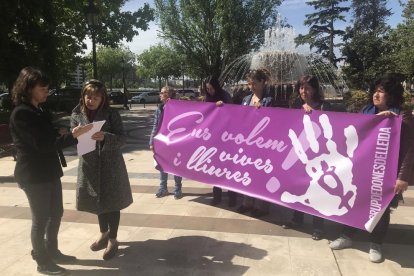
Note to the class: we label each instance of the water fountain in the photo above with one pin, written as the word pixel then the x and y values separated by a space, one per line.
pixel 286 63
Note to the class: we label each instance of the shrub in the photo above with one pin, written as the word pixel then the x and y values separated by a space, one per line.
pixel 355 100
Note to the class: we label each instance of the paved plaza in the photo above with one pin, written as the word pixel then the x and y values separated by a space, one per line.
pixel 188 236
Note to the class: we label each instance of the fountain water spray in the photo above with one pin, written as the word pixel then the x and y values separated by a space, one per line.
pixel 285 63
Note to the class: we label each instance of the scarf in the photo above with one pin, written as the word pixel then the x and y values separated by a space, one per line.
pixel 372 109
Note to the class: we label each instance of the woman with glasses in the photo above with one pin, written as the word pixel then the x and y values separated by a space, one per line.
pixel 165 94
pixel 260 97
pixel 103 186
pixel 386 99
pixel 216 94
pixel 38 168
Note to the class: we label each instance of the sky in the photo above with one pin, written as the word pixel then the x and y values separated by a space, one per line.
pixel 293 10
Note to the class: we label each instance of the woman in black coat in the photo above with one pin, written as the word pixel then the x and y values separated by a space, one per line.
pixel 216 94
pixel 38 167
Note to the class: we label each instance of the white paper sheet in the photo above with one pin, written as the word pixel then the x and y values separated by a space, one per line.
pixel 85 142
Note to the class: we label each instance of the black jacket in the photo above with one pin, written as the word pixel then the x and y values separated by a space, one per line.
pixel 37 144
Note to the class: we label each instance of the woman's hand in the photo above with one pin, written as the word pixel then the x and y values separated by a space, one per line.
pixel 98 136
pixel 79 130
pixel 387 113
pixel 219 103
pixel 400 186
pixel 152 148
pixel 307 108
pixel 257 105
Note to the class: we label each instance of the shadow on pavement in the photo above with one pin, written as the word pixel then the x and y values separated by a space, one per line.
pixel 176 256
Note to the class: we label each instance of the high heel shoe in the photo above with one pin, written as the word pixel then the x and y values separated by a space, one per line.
pixel 111 250
pixel 100 244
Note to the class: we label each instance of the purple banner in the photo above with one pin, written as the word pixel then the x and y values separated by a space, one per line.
pixel 339 166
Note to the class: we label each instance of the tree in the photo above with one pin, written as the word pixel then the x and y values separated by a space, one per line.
pixel 51 34
pixel 402 43
pixel 366 52
pixel 211 33
pixel 114 63
pixel 160 62
pixel 322 31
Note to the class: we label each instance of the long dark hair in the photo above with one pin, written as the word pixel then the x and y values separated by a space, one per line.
pixel 93 87
pixel 28 78
pixel 219 92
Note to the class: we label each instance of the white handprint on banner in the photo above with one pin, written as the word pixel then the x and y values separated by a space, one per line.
pixel 331 191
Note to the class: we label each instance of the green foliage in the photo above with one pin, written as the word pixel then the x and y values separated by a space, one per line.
pixel 322 31
pixel 50 34
pixel 211 33
pixel 408 104
pixel 366 51
pixel 402 43
pixel 112 63
pixel 355 100
pixel 159 62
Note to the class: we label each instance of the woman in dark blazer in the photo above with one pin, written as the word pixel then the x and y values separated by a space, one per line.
pixel 260 97
pixel 38 167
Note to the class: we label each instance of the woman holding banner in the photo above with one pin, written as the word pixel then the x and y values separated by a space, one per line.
pixel 216 94
pixel 260 97
pixel 103 185
pixel 386 99
pixel 309 97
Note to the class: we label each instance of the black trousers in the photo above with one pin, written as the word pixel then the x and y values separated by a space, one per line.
pixel 109 221
pixel 46 205
pixel 379 232
pixel 317 222
pixel 218 191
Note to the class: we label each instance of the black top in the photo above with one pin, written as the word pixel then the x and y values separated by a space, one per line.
pixel 221 95
pixel 37 143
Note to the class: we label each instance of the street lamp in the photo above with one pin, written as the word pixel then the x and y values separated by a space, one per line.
pixel 91 14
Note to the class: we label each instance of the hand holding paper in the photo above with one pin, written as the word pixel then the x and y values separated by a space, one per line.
pixel 79 130
pixel 85 141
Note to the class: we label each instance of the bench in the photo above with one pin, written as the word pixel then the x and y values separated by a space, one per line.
pixel 7 147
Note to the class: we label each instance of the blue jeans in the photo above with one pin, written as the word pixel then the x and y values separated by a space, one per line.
pixel 164 178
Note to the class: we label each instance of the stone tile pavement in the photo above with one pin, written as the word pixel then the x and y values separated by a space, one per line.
pixel 190 237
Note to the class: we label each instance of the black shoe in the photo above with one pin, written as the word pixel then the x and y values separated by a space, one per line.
pixel 256 213
pixel 51 268
pixel 243 209
pixel 316 235
pixel 61 258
